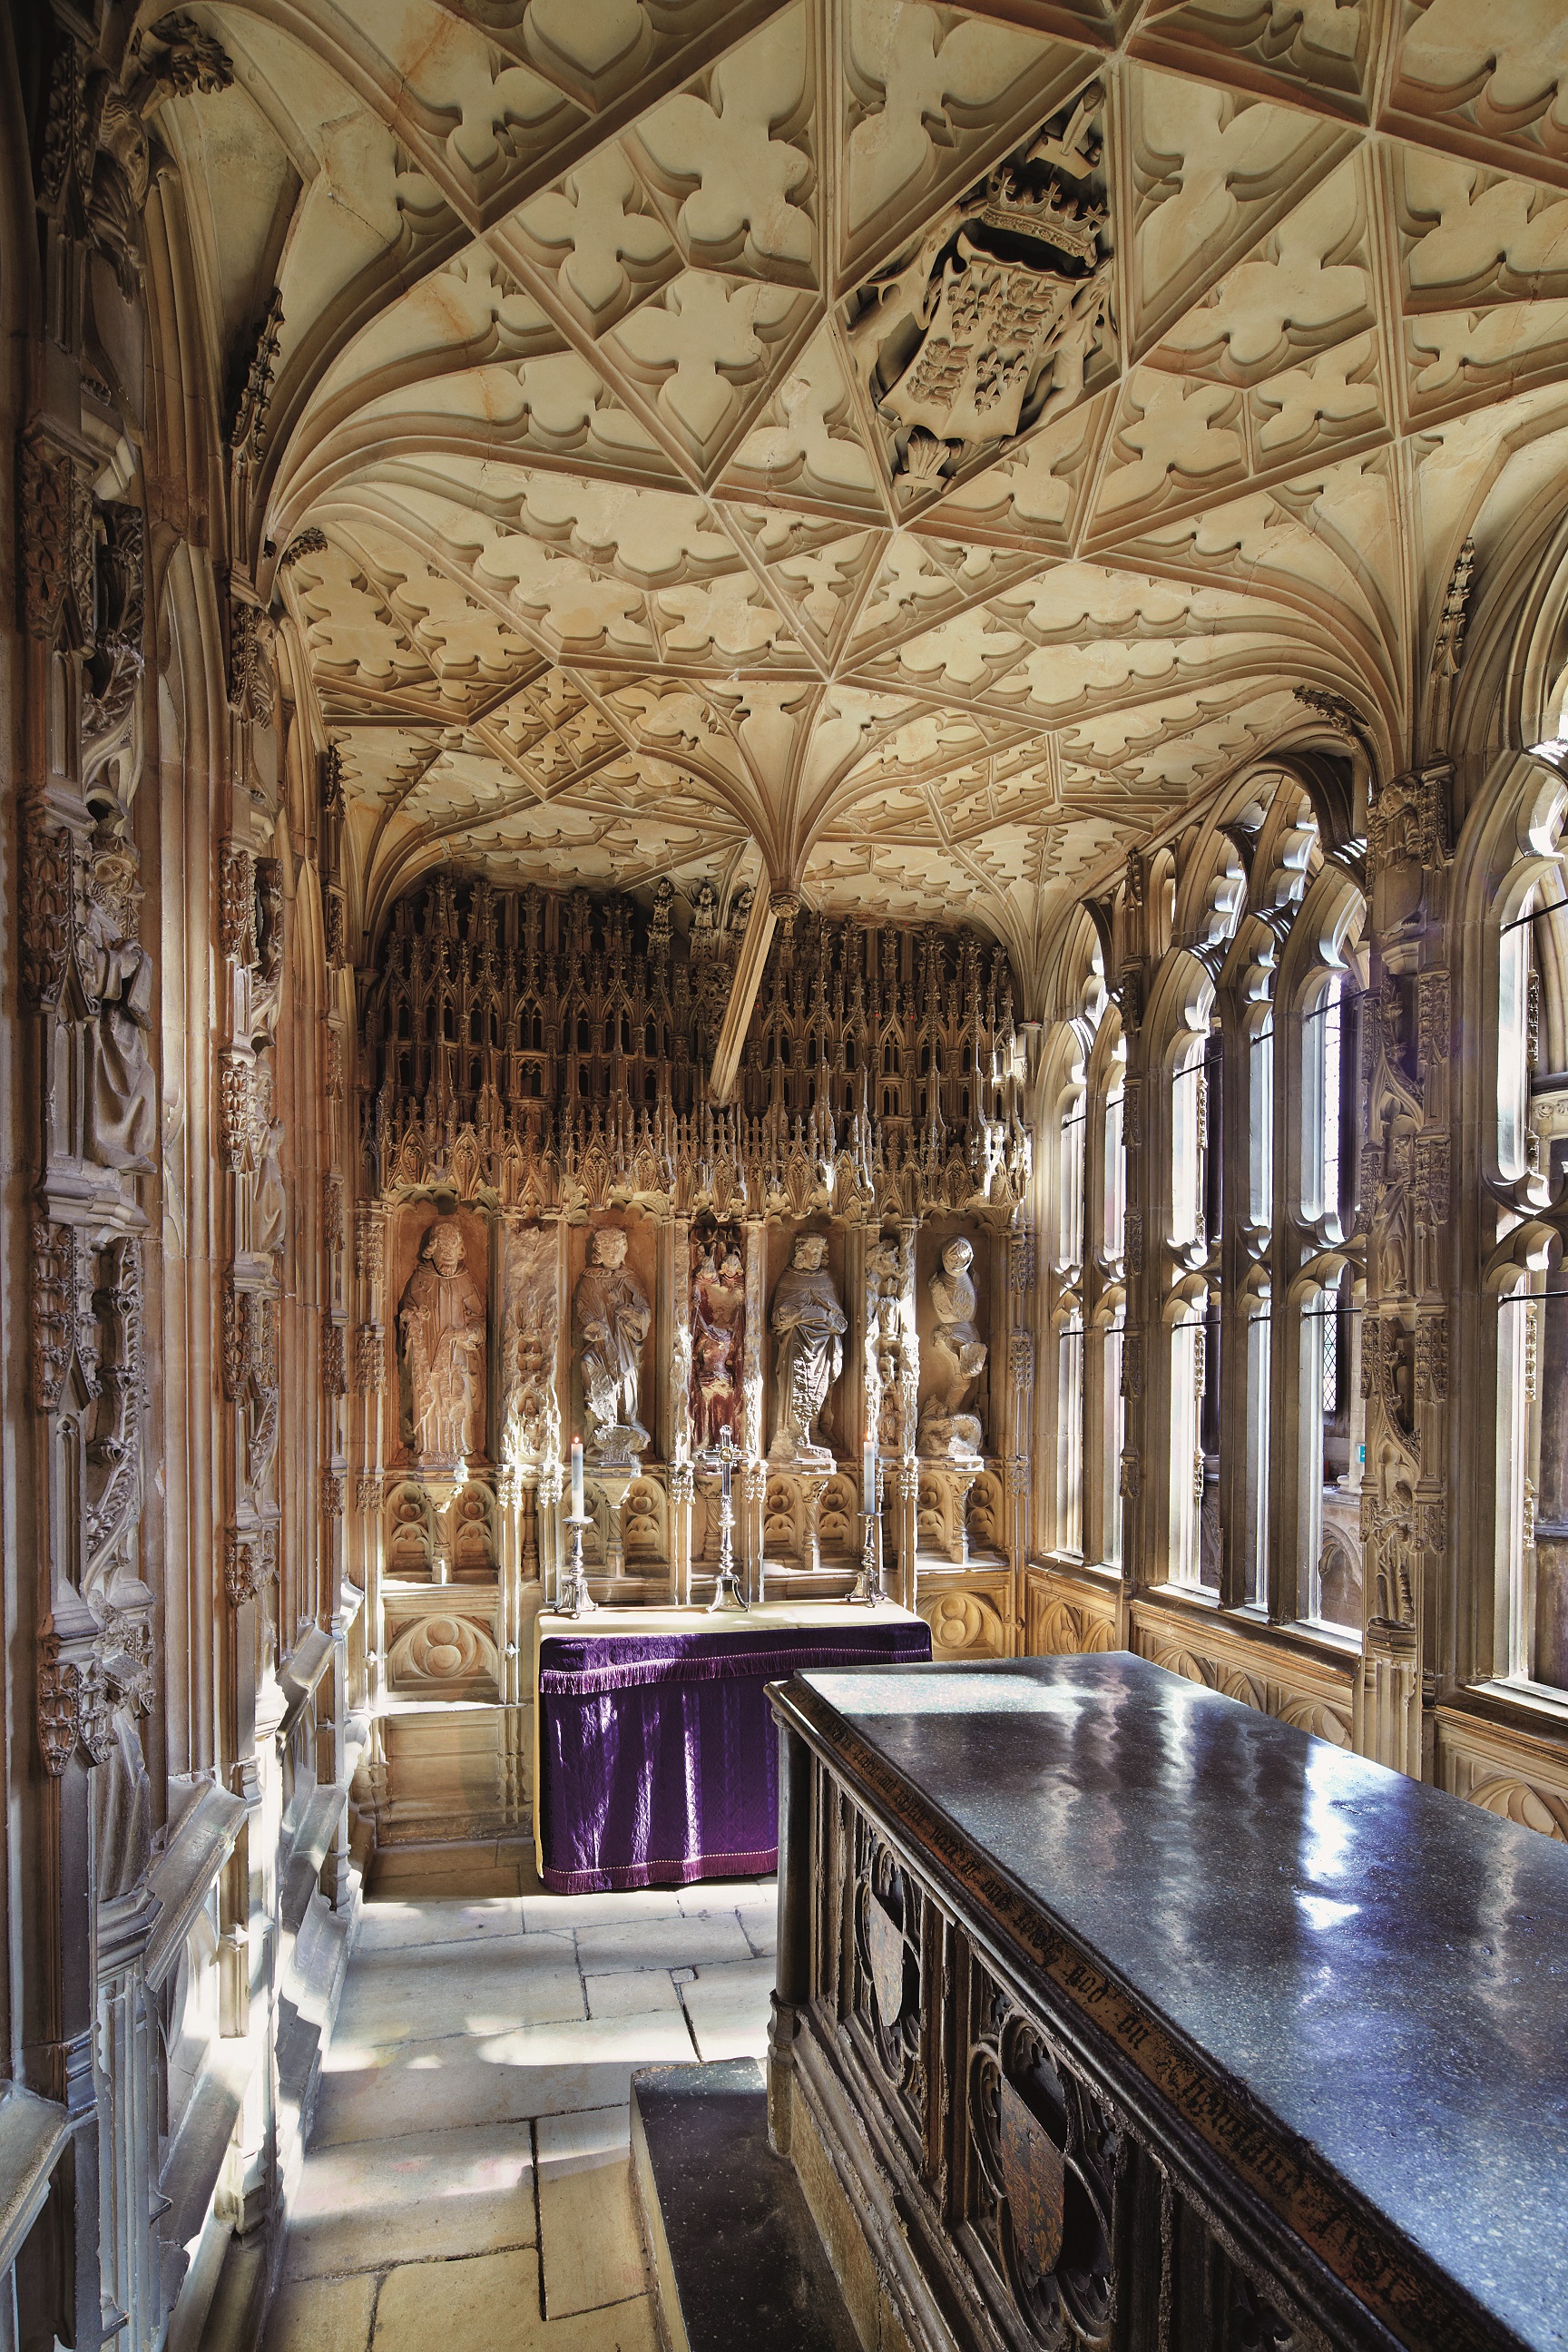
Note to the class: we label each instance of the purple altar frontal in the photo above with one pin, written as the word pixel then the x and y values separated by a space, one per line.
pixel 655 1756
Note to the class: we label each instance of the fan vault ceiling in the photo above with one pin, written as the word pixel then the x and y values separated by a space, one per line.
pixel 892 453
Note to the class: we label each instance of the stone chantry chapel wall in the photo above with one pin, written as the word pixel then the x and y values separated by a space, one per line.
pixel 534 1106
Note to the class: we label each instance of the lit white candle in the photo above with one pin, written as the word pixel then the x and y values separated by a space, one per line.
pixel 724 1454
pixel 576 1478
pixel 869 1475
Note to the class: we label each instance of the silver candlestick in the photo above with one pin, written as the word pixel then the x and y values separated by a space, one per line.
pixel 727 1592
pixel 866 1589
pixel 576 1601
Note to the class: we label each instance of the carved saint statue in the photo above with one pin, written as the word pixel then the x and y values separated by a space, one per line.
pixel 269 1201
pixel 718 1336
pixel 957 1356
pixel 808 1326
pixel 610 1321
pixel 122 1093
pixel 441 1321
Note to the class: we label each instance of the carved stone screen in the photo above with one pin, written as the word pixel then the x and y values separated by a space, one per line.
pixel 564 1235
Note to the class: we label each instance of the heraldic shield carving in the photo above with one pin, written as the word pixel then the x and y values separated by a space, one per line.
pixel 987 329
pixel 1047 2152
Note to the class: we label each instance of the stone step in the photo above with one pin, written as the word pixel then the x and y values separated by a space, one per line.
pixel 733 2249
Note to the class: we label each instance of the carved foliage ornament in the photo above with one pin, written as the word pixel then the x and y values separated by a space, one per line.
pixel 237 903
pixel 114 673
pixel 241 1568
pixel 65 1329
pixel 1429 1183
pixel 248 427
pixel 56 567
pixel 235 1075
pixel 1433 1017
pixel 252 690
pixel 192 60
pixel 1432 1358
pixel 84 1682
pixel 370 1360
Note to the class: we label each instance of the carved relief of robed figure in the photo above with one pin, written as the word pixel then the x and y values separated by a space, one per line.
pixel 718 1335
pixel 957 1355
pixel 808 1327
pixel 123 1095
pixel 441 1324
pixel 610 1321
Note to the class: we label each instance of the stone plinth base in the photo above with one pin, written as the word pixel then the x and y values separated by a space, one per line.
pixel 733 2249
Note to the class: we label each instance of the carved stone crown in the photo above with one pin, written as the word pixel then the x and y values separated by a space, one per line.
pixel 1072 224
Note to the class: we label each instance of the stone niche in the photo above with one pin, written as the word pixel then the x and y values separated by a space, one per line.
pixel 411 1226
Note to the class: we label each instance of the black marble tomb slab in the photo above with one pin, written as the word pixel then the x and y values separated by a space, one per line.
pixel 1381 1967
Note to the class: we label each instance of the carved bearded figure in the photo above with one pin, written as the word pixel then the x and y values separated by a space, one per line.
pixel 809 1325
pixel 441 1320
pixel 958 1356
pixel 611 1318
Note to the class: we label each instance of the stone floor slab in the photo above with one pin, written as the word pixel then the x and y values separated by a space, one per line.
pixel 416 2086
pixel 397 1923
pixel 630 1992
pixel 399 1996
pixel 427 2196
pixel 320 2316
pixel 592 2244
pixel 730 2009
pixel 556 1912
pixel 589 2063
pixel 680 1941
pixel 576 2141
pixel 489 2299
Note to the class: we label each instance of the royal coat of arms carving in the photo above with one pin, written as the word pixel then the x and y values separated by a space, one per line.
pixel 987 327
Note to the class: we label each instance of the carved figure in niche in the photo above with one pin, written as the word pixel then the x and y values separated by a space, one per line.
pixel 269 1205
pixel 704 918
pixel 958 1357
pixel 809 1325
pixel 441 1320
pixel 718 1342
pixel 531 1417
pixel 122 1086
pixel 1398 826
pixel 884 1341
pixel 611 1319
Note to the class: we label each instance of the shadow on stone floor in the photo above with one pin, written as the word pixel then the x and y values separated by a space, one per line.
pixel 467 2181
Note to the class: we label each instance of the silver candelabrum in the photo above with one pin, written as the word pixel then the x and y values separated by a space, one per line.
pixel 576 1601
pixel 727 1592
pixel 866 1589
